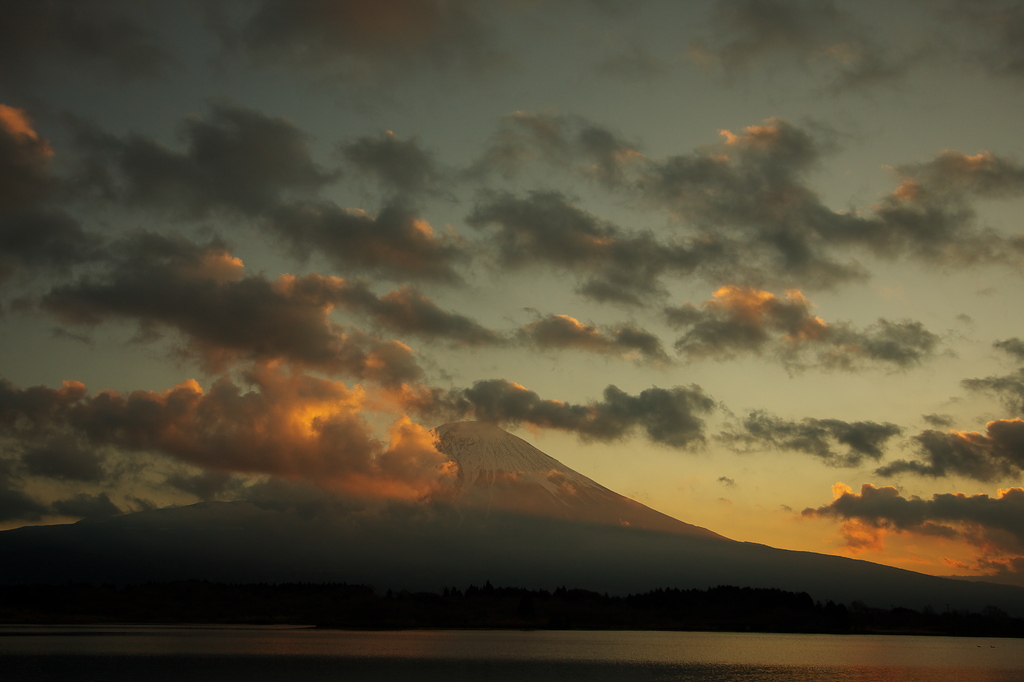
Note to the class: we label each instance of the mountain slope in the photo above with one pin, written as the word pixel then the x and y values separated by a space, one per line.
pixel 500 471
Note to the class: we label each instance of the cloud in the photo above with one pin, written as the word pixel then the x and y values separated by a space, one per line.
pixel 1010 386
pixel 994 455
pixel 930 215
pixel 370 39
pixel 565 332
pixel 994 524
pixel 751 186
pixel 206 485
pixel 64 458
pixel 87 506
pixel 16 505
pixel 52 37
pixel 38 238
pixel 996 38
pixel 293 426
pixel 395 243
pixel 24 160
pixel 33 235
pixel 667 416
pixel 822 438
pixel 545 228
pixel 941 420
pixel 739 320
pixel 1013 346
pixel 402 166
pixel 751 33
pixel 225 316
pixel 236 158
pixel 745 203
pixel 564 141
pixel 408 311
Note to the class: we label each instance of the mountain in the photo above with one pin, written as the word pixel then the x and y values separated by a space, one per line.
pixel 515 517
pixel 500 471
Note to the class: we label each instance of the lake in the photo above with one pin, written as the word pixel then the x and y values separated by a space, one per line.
pixel 257 654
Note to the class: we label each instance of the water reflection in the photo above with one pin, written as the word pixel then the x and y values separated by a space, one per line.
pixel 227 654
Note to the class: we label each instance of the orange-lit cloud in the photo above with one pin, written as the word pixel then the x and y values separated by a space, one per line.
pixel 200 291
pixel 289 425
pixel 24 160
pixel 862 537
pixel 994 455
pixel 565 331
pixel 993 527
pixel 746 320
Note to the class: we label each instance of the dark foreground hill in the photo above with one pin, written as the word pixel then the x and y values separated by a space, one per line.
pixel 419 547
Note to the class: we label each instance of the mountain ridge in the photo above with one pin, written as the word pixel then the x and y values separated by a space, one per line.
pixel 497 469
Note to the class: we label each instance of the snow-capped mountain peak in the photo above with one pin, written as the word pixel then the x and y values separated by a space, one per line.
pixel 498 470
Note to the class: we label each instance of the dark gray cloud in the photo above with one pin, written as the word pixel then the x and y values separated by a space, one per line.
pixel 394 243
pixel 931 215
pixel 752 33
pixel 997 454
pixel 16 505
pixel 226 317
pixel 837 443
pixel 33 235
pixel 1013 346
pixel 997 38
pixel 1009 387
pixel 564 141
pixel 32 239
pixel 235 158
pixel 670 417
pixel 51 38
pixel 752 186
pixel 402 166
pixel 409 311
pixel 742 320
pixel 940 420
pixel 983 520
pixel 24 160
pixel 565 332
pixel 369 39
pixel 206 485
pixel 87 506
pixel 66 459
pixel 545 228
pixel 745 203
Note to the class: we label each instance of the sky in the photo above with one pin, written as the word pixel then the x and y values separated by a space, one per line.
pixel 754 263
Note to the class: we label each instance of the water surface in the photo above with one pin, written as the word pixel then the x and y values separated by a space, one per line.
pixel 254 654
